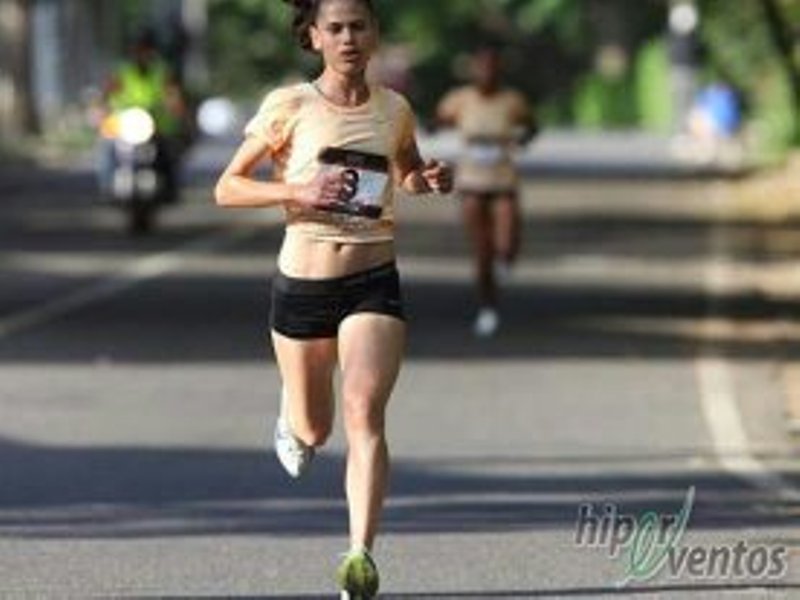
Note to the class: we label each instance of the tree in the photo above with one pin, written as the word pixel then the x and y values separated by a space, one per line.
pixel 17 112
pixel 781 33
pixel 753 47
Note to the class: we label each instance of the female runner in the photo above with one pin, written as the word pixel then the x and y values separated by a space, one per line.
pixel 339 146
pixel 492 119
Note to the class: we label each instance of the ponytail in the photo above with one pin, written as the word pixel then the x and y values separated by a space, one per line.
pixel 305 15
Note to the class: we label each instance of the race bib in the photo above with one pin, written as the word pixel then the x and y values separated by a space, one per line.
pixel 365 177
pixel 485 153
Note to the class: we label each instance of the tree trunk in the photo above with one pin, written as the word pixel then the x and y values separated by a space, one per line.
pixel 17 112
pixel 781 35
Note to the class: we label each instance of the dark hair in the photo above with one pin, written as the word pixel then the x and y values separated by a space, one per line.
pixel 145 37
pixel 305 15
pixel 489 46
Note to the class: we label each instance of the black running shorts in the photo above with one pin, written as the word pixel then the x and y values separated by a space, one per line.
pixel 314 308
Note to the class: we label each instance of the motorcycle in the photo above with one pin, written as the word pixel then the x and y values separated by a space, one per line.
pixel 138 173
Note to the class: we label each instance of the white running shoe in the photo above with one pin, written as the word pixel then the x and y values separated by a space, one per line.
pixel 486 323
pixel 293 453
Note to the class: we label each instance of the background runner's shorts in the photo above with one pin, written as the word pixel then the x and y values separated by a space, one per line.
pixel 314 308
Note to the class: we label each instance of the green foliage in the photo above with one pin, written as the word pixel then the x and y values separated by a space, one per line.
pixel 565 17
pixel 773 116
pixel 251 46
pixel 740 49
pixel 737 40
pixel 601 102
pixel 652 86
pixel 551 45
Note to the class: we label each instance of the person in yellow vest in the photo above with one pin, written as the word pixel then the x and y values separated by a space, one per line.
pixel 145 81
pixel 492 119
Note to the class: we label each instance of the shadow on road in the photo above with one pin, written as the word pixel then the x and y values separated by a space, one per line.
pixel 140 492
pixel 80 225
pixel 198 316
pixel 215 318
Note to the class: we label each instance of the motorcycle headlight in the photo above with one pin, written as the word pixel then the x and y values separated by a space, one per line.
pixel 136 126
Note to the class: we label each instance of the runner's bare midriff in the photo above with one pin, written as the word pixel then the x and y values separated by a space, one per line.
pixel 303 257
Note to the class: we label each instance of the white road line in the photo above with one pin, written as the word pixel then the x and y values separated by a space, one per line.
pixel 717 389
pixel 135 274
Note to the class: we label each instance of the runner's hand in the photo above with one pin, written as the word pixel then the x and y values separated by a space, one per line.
pixel 438 176
pixel 324 190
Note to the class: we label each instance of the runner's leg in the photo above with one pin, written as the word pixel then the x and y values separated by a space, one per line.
pixel 507 222
pixel 306 368
pixel 478 221
pixel 371 347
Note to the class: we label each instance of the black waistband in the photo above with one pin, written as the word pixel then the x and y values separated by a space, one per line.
pixel 324 286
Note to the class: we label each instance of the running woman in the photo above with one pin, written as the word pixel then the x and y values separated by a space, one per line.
pixel 491 119
pixel 339 146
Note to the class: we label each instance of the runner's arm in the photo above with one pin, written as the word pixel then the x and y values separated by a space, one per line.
pixel 419 177
pixel 237 188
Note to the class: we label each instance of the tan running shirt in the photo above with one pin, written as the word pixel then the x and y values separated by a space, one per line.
pixel 307 133
pixel 488 127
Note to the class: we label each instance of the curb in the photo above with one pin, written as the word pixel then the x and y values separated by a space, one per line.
pixel 773 198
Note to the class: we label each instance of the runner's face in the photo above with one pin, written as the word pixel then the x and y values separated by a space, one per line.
pixel 143 55
pixel 486 69
pixel 346 35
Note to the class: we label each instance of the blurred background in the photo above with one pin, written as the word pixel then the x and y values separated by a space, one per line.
pixel 585 63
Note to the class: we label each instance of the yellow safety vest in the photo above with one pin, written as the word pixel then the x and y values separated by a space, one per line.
pixel 147 90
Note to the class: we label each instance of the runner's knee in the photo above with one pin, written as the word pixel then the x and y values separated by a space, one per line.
pixel 364 414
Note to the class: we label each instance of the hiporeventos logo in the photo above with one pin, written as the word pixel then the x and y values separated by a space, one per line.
pixel 648 543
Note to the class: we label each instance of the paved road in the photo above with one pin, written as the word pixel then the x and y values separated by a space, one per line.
pixel 636 362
